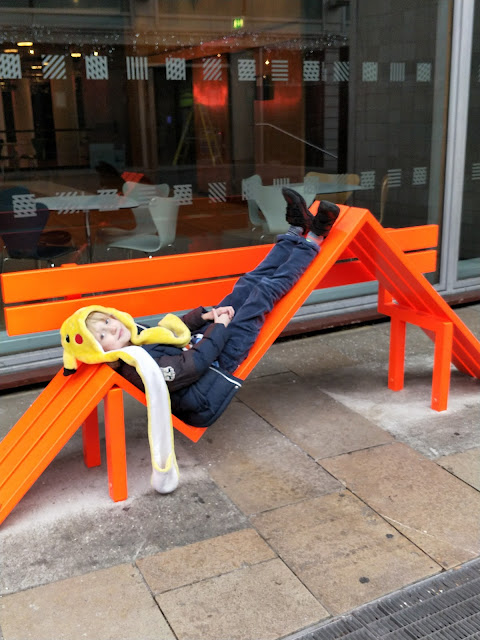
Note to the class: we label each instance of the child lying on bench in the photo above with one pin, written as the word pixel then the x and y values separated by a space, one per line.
pixel 198 353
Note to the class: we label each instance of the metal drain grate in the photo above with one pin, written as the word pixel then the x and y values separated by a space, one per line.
pixel 446 607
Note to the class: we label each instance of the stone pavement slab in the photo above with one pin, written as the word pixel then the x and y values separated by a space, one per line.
pixel 67 524
pixel 435 510
pixel 195 562
pixel 112 604
pixel 320 425
pixel 264 601
pixel 407 414
pixel 342 550
pixel 306 355
pixel 465 465
pixel 256 466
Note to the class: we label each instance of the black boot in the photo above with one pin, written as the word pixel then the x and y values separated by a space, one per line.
pixel 297 213
pixel 326 215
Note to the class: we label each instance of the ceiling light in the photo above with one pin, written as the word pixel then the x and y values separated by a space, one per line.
pixel 10 51
pixel 76 55
pixel 24 44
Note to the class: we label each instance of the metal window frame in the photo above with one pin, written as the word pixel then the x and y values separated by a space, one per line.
pixel 462 38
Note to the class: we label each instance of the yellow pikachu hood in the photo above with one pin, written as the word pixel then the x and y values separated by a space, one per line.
pixel 79 345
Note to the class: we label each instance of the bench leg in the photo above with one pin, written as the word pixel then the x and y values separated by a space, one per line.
pixel 396 365
pixel 115 445
pixel 91 441
pixel 441 365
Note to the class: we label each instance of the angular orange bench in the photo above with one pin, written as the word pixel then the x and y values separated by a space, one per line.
pixel 357 250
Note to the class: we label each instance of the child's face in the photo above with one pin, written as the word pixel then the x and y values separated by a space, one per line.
pixel 110 333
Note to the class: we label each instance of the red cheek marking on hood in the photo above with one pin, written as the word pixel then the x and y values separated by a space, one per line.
pixel 78 339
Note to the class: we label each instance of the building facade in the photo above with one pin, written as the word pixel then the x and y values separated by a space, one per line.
pixel 372 103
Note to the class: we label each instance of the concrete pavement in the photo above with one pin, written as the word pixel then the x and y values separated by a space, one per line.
pixel 318 491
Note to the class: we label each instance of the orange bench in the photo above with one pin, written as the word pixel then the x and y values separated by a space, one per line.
pixel 357 250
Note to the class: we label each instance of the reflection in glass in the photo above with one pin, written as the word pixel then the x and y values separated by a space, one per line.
pixel 344 100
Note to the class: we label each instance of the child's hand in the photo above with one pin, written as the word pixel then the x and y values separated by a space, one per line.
pixel 208 315
pixel 230 311
pixel 221 318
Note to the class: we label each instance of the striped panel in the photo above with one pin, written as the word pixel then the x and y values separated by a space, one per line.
pixel 54 67
pixel 212 69
pixel 137 67
pixel 280 70
pixel 217 191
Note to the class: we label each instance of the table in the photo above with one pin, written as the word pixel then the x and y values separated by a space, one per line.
pixel 336 187
pixel 65 204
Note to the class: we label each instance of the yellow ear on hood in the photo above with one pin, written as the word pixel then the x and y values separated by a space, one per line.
pixel 80 345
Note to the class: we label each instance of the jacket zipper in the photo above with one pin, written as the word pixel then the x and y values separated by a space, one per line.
pixel 234 382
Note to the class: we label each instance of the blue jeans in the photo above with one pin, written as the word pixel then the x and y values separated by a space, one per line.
pixel 255 294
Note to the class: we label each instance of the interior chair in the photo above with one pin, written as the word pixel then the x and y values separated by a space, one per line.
pixel 142 194
pixel 24 237
pixel 273 206
pixel 339 197
pixel 164 214
pixel 383 198
pixel 249 187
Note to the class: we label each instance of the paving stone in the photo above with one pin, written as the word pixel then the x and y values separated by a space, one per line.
pixel 407 414
pixel 273 362
pixel 471 317
pixel 464 465
pixel 320 425
pixel 365 343
pixel 104 605
pixel 443 433
pixel 438 512
pixel 67 525
pixel 192 563
pixel 342 550
pixel 13 405
pixel 305 356
pixel 265 601
pixel 257 467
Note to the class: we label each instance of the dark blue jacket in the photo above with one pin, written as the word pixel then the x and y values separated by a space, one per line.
pixel 199 390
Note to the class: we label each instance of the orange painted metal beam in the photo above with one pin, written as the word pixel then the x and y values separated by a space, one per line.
pixel 30 446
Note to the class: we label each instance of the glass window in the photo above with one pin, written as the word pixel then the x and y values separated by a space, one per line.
pixel 171 126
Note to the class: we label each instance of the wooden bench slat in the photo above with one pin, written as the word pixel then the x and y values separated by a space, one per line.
pixel 50 315
pixel 70 280
pixel 348 273
pixel 414 238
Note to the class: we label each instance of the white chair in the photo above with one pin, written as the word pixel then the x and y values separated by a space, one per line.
pixel 273 205
pixel 164 214
pixel 249 192
pixel 143 194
